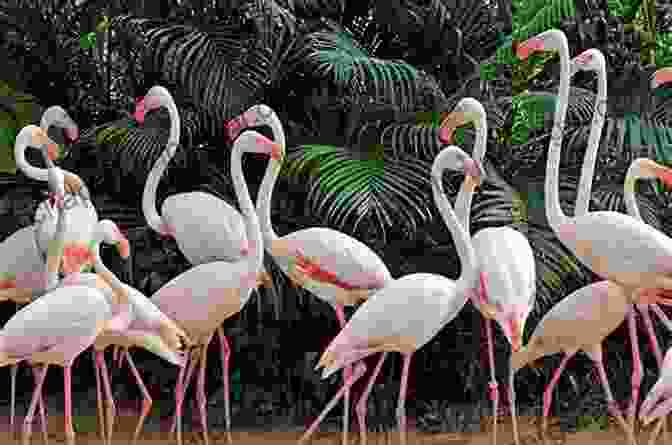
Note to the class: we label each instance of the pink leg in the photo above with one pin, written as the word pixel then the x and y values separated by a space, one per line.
pixel 596 355
pixel 200 395
pixel 12 403
pixel 110 410
pixel 178 394
pixel 401 407
pixel 99 398
pixel 548 392
pixel 225 354
pixel 67 393
pixel 493 385
pixel 185 385
pixel 347 372
pixel 360 409
pixel 636 366
pixel 28 421
pixel 651 332
pixel 146 398
pixel 40 403
pixel 360 369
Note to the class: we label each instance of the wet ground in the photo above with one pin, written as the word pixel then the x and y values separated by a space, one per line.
pixel 278 431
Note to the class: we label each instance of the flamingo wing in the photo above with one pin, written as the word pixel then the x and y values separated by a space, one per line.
pixel 20 262
pixel 413 307
pixel 205 227
pixel 333 258
pixel 506 258
pixel 66 315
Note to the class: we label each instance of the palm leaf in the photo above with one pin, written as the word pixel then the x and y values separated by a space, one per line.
pixel 345 190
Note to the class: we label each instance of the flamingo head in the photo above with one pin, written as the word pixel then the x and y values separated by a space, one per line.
pixel 512 321
pixel 649 169
pixel 550 40
pixel 467 111
pixel 589 60
pixel 71 134
pixel 267 146
pixel 661 77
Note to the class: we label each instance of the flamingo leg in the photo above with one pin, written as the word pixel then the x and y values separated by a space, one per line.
pixel 596 355
pixel 636 366
pixel 347 372
pixel 645 309
pixel 359 371
pixel 401 406
pixel 200 394
pixel 40 404
pixel 178 393
pixel 512 401
pixel 548 392
pixel 656 431
pixel 360 409
pixel 28 421
pixel 186 379
pixel 110 410
pixel 12 403
pixel 67 395
pixel 225 354
pixel 146 398
pixel 493 385
pixel 99 399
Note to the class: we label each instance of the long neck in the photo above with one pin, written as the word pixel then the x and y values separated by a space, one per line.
pixel 466 193
pixel 556 218
pixel 38 174
pixel 460 236
pixel 252 228
pixel 588 168
pixel 110 278
pixel 149 209
pixel 629 191
pixel 268 183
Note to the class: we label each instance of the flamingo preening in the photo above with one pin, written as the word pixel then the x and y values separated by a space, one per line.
pixel 56 328
pixel 337 268
pixel 505 259
pixel 408 312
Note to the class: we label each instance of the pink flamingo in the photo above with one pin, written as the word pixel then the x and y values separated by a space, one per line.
pixel 641 262
pixel 202 298
pixel 56 328
pixel 334 266
pixel 407 313
pixel 658 402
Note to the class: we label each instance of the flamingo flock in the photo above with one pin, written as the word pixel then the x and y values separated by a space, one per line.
pixel 72 301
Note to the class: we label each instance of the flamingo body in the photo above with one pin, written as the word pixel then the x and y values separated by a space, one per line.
pixel 24 264
pixel 205 227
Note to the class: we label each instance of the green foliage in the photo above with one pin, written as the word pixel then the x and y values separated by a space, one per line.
pixel 529 112
pixel 664 49
pixel 592 423
pixel 17 110
pixel 541 15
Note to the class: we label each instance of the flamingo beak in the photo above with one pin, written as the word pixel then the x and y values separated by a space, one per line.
pixel 530 46
pixel 124 248
pixel 516 335
pixel 661 77
pixel 71 134
pixel 276 151
pixel 140 110
pixel 53 151
pixel 663 173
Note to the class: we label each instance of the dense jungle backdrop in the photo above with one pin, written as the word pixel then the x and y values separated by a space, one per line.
pixel 363 81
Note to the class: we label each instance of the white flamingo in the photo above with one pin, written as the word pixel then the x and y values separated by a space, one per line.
pixel 336 267
pixel 641 260
pixel 408 312
pixel 506 262
pixel 148 328
pixel 56 328
pixel 202 298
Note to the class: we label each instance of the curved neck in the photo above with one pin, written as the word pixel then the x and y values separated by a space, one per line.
pixel 466 193
pixel 110 278
pixel 588 168
pixel 556 218
pixel 629 191
pixel 252 228
pixel 460 236
pixel 38 174
pixel 149 209
pixel 268 183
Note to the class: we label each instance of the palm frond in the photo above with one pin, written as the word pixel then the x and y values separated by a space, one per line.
pixel 347 190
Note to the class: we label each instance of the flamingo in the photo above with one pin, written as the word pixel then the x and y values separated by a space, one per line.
pixel 337 268
pixel 640 261
pixel 505 258
pixel 148 328
pixel 202 298
pixel 56 328
pixel 408 312
pixel 658 403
